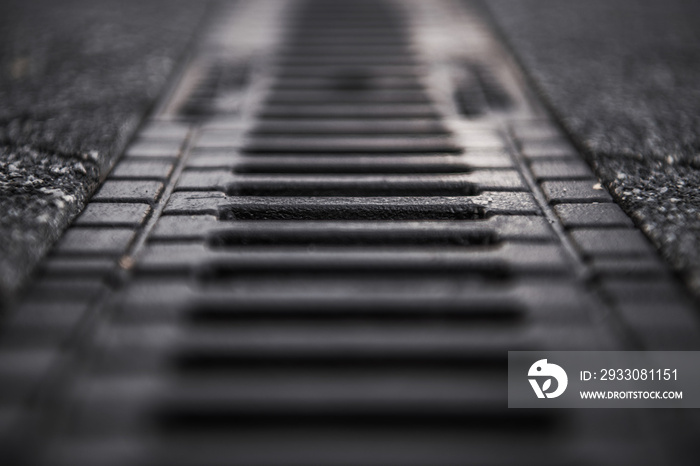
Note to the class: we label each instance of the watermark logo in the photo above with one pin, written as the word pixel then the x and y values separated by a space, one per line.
pixel 542 370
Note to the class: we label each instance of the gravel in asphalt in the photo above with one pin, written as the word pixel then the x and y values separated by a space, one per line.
pixel 623 79
pixel 76 78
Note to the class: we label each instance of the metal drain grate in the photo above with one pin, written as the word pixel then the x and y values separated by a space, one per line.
pixel 323 263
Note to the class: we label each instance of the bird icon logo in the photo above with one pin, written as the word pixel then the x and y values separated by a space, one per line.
pixel 544 371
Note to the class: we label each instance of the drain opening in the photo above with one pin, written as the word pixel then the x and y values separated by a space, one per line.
pixel 350 271
pixel 292 209
pixel 335 237
pixel 360 145
pixel 218 91
pixel 196 362
pixel 355 186
pixel 388 312
pixel 370 422
pixel 349 165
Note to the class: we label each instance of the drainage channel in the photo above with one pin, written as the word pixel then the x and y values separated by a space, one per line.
pixel 320 249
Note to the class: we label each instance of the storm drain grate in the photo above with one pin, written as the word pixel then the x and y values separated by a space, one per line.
pixel 332 269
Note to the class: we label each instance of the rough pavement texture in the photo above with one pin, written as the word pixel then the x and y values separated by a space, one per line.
pixel 76 77
pixel 623 77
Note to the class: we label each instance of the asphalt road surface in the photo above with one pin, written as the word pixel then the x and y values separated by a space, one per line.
pixel 622 77
pixel 76 79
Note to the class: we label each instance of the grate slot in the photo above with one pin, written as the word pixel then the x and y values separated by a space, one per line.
pixel 496 95
pixel 320 270
pixel 461 340
pixel 280 83
pixel 340 234
pixel 353 164
pixel 480 91
pixel 357 186
pixel 364 145
pixel 470 102
pixel 220 78
pixel 333 60
pixel 382 311
pixel 335 97
pixel 345 40
pixel 368 111
pixel 344 395
pixel 362 420
pixel 343 50
pixel 213 363
pixel 356 73
pixel 385 128
pixel 349 209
